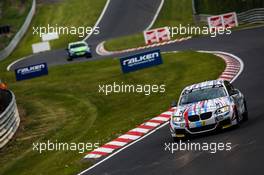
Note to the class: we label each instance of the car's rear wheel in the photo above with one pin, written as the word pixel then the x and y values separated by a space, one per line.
pixel 88 55
pixel 237 117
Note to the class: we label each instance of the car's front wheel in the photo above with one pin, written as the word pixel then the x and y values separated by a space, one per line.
pixel 70 59
pixel 177 139
pixel 245 113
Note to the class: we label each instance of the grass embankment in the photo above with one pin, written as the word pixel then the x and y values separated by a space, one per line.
pixel 12 13
pixel 65 13
pixel 173 13
pixel 66 106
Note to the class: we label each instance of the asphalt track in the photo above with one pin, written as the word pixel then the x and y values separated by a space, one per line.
pixel 120 18
pixel 247 155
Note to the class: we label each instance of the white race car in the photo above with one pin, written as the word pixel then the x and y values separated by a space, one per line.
pixel 206 106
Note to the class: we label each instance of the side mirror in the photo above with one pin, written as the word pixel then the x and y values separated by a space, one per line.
pixel 235 92
pixel 173 103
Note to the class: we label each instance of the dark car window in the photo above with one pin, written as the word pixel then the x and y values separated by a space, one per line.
pixel 77 45
pixel 203 94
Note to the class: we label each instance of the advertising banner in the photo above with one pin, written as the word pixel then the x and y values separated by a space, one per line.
pixel 215 22
pixel 140 61
pixel 230 20
pixel 163 34
pixel 150 36
pixel 222 21
pixel 157 35
pixel 31 71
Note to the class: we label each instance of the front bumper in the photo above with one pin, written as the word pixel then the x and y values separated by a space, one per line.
pixel 79 54
pixel 181 129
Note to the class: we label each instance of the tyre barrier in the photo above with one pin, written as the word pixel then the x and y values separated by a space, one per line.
pixel 9 117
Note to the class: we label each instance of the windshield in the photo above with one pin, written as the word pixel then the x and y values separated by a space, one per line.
pixel 202 94
pixel 77 45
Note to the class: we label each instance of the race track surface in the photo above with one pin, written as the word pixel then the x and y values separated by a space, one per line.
pixel 125 18
pixel 148 155
pixel 246 157
pixel 120 18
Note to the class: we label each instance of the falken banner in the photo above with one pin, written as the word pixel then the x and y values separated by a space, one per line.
pixel 141 61
pixel 31 71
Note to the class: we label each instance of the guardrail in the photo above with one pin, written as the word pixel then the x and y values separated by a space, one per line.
pixel 9 118
pixel 12 45
pixel 251 16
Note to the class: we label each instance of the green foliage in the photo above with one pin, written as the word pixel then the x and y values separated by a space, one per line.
pixel 224 6
pixel 66 106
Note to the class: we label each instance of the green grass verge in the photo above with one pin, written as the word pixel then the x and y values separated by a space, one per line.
pixel 60 13
pixel 66 106
pixel 12 13
pixel 173 13
pixel 179 12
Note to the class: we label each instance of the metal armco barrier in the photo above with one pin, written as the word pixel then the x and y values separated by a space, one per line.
pixel 9 117
pixel 16 39
pixel 250 16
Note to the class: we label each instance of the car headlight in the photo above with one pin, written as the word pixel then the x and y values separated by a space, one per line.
pixel 176 119
pixel 222 110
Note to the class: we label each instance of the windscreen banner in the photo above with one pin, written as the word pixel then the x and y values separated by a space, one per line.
pixel 141 61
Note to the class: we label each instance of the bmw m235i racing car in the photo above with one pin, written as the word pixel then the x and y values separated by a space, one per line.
pixel 78 49
pixel 207 106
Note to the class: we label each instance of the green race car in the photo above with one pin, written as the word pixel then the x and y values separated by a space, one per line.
pixel 78 49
